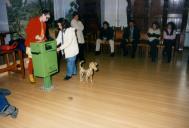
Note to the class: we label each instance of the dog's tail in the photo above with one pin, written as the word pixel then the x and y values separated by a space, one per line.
pixel 80 63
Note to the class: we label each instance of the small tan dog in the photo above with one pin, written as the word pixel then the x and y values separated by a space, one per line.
pixel 85 74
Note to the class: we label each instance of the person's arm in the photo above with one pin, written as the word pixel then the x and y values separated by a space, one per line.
pixel 33 30
pixel 165 35
pixel 138 34
pixel 157 35
pixel 40 38
pixel 59 38
pixel 30 32
pixel 125 35
pixel 77 25
pixel 169 37
pixel 110 34
pixel 173 37
pixel 149 33
pixel 68 38
pixel 100 36
pixel 80 26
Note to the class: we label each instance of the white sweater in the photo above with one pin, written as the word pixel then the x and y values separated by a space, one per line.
pixel 69 44
pixel 152 31
pixel 78 25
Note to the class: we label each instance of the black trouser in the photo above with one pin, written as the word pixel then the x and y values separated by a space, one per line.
pixel 123 46
pixel 21 46
pixel 81 52
pixel 134 47
pixel 153 49
pixel 168 48
pixel 59 57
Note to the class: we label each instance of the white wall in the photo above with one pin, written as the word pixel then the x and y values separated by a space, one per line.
pixel 114 11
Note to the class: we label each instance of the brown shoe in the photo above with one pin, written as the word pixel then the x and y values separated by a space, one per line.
pixel 31 78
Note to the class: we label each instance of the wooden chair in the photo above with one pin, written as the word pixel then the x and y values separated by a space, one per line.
pixel 90 39
pixel 118 35
pixel 161 48
pixel 10 55
pixel 143 46
pixel 105 46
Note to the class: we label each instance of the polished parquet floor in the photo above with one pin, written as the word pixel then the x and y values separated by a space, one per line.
pixel 126 93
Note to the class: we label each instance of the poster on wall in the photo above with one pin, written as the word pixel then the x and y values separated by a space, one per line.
pixel 20 11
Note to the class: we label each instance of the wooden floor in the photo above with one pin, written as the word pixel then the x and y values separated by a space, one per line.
pixel 126 93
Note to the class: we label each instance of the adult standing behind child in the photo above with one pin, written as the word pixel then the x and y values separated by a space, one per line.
pixel 78 25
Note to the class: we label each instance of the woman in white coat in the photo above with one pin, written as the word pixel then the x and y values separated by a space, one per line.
pixel 69 46
pixel 78 25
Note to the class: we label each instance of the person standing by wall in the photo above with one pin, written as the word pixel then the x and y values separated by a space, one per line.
pixel 78 25
pixel 35 32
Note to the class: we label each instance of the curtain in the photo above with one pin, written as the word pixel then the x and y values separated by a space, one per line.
pixel 61 8
pixel 4 27
pixel 114 11
pixel 122 12
pixel 186 42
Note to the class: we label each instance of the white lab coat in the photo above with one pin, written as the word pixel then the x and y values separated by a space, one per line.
pixel 69 44
pixel 78 25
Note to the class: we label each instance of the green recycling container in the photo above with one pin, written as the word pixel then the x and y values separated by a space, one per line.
pixel 44 58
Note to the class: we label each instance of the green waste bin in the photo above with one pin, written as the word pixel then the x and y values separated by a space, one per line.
pixel 44 58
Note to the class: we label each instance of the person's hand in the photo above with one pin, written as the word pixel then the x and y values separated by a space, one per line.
pixel 28 52
pixel 104 38
pixel 58 49
pixel 39 38
pixel 154 34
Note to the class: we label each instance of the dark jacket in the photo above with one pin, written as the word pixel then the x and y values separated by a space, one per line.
pixel 136 34
pixel 108 34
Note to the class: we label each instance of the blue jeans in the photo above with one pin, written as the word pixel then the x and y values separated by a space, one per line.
pixel 3 102
pixel 71 66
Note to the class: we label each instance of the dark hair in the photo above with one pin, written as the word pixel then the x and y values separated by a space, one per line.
pixel 65 24
pixel 60 20
pixel 132 21
pixel 155 23
pixel 45 12
pixel 75 14
pixel 106 22
pixel 172 25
